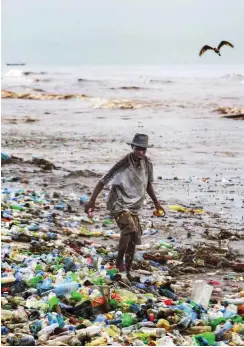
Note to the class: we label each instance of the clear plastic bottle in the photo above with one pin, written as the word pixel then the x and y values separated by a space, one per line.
pixel 238 301
pixel 48 329
pixel 157 332
pixel 236 339
pixel 59 278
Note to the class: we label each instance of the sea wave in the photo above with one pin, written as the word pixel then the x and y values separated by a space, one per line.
pixel 14 73
pixel 5 94
pixel 231 112
pixel 128 88
pixel 19 72
pixel 161 81
pixel 234 77
pixel 104 103
pixel 28 73
pixel 124 104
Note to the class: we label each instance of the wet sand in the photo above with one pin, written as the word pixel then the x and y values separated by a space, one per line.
pixel 198 158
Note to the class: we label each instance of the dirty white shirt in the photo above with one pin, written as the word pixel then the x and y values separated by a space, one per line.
pixel 129 184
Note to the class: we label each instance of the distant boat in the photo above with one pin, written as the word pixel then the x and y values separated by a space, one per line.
pixel 15 64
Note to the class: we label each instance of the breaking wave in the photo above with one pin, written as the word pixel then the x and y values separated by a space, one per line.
pixel 161 81
pixel 123 104
pixel 230 110
pixel 235 113
pixel 5 94
pixel 234 77
pixel 29 73
pixel 128 88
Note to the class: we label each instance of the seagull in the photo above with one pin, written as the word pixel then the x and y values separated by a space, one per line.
pixel 216 50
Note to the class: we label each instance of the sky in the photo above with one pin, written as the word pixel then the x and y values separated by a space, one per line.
pixel 121 32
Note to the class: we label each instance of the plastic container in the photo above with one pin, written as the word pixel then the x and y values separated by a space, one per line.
pixel 226 327
pixel 201 292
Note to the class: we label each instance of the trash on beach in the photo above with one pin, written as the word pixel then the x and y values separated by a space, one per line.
pixel 61 288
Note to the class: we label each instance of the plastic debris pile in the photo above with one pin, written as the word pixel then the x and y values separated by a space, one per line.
pixel 61 288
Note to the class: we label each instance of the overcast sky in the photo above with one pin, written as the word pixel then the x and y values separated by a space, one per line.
pixel 121 31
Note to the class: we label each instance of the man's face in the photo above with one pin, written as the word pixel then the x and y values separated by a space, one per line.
pixel 139 152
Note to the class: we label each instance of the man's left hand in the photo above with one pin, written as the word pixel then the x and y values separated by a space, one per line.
pixel 160 208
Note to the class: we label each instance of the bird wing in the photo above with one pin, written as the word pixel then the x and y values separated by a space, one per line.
pixel 204 49
pixel 225 43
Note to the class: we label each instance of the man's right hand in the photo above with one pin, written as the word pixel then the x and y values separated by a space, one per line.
pixel 89 204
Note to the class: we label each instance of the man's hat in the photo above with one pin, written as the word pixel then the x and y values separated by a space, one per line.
pixel 140 140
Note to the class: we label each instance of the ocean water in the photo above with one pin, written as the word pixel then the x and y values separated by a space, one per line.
pixel 189 84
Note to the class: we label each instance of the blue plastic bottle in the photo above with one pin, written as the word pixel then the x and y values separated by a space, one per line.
pixel 225 328
pixel 66 288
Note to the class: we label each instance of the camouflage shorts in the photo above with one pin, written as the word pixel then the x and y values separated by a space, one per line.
pixel 129 223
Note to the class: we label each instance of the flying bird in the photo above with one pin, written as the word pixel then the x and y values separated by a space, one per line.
pixel 216 50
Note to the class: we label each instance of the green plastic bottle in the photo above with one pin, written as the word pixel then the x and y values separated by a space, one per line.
pixel 166 245
pixel 74 276
pixel 237 319
pixel 210 337
pixel 53 301
pixel 107 221
pixel 76 296
pixel 99 281
pixel 112 272
pixel 127 320
pixel 215 322
pixel 33 282
pixel 17 207
pixel 38 267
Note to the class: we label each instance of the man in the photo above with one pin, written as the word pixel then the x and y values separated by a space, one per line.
pixel 131 179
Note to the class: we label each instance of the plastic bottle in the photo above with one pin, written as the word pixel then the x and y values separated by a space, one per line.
pixel 168 293
pixel 100 319
pixel 46 284
pixel 236 339
pixel 17 207
pixel 59 278
pixel 230 311
pixel 76 296
pixel 52 300
pixel 35 280
pixel 199 329
pixel 127 320
pixel 163 323
pixel 64 289
pixel 26 340
pixel 102 271
pixel 239 328
pixel 90 331
pixel 83 199
pixel 184 323
pixel 100 341
pixel 239 301
pixel 32 302
pixel 116 321
pixel 226 327
pixel 5 156
pixel 165 341
pixel 4 330
pixel 156 332
pixel 146 324
pixel 9 279
pixel 166 245
pixel 205 339
pixel 48 329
